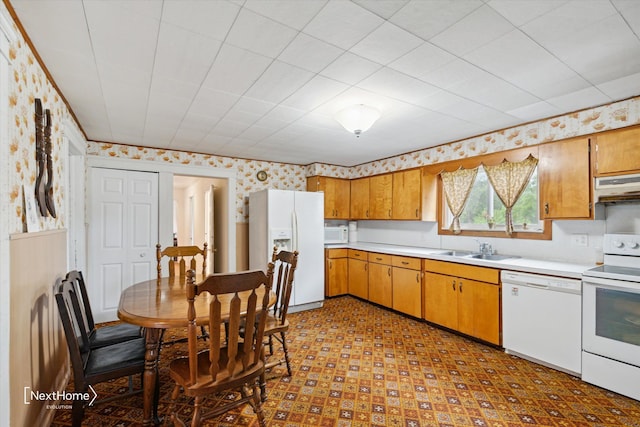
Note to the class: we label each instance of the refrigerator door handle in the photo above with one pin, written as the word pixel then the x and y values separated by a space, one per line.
pixel 294 220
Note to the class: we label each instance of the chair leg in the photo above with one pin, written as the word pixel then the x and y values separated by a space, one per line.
pixel 286 352
pixel 77 413
pixel 263 386
pixel 197 412
pixel 204 335
pixel 270 345
pixel 173 416
pixel 257 405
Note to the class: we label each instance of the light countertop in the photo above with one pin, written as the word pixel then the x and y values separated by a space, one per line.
pixel 524 264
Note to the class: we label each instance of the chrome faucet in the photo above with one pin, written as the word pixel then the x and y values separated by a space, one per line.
pixel 485 248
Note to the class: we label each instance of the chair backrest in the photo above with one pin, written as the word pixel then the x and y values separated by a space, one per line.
pixel 178 257
pixel 85 318
pixel 240 293
pixel 284 268
pixel 69 309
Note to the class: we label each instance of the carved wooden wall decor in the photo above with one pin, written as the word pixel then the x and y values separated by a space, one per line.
pixel 44 177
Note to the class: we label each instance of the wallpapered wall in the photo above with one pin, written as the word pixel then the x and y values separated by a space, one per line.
pixel 292 177
pixel 27 82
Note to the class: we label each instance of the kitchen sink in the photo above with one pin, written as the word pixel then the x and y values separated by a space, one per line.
pixel 457 253
pixel 492 257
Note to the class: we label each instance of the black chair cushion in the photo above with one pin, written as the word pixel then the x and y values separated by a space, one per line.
pixel 128 354
pixel 108 335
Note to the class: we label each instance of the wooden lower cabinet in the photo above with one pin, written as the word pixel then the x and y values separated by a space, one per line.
pixel 407 285
pixel 453 300
pixel 336 272
pixel 380 285
pixel 441 300
pixel 358 274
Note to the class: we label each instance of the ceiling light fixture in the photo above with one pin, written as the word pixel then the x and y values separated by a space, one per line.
pixel 357 118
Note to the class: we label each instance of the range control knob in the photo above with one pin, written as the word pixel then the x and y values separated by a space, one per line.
pixel 632 245
pixel 618 244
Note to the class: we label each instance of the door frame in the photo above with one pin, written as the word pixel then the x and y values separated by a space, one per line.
pixel 165 188
pixel 74 178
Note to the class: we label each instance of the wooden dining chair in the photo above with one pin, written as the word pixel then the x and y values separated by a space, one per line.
pixel 105 335
pixel 285 264
pixel 91 366
pixel 237 364
pixel 177 262
pixel 178 257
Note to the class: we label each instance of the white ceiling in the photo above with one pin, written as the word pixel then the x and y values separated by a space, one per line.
pixel 263 79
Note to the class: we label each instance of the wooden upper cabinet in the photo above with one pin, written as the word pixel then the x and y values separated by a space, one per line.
pixel 617 152
pixel 564 175
pixel 407 194
pixel 360 198
pixel 337 193
pixel 380 196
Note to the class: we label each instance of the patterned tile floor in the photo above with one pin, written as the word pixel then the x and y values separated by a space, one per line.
pixel 356 364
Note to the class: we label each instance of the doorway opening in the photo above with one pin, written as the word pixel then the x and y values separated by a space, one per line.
pixel 199 217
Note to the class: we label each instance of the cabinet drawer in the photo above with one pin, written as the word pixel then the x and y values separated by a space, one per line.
pixel 356 254
pixel 380 258
pixel 406 262
pixel 337 253
pixel 481 274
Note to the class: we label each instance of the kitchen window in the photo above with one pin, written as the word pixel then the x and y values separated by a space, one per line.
pixel 484 212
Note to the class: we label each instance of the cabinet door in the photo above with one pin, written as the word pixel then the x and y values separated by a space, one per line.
pixel 360 198
pixel 441 300
pixel 617 152
pixel 342 198
pixel 327 186
pixel 380 284
pixel 564 175
pixel 479 310
pixel 358 278
pixel 407 291
pixel 407 194
pixel 466 300
pixel 337 274
pixel 486 303
pixel 380 196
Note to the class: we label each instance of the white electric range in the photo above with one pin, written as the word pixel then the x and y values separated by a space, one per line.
pixel 611 317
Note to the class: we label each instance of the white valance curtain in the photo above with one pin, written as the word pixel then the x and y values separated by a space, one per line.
pixel 457 187
pixel 509 180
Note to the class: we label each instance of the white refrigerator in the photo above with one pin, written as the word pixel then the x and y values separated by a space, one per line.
pixel 292 221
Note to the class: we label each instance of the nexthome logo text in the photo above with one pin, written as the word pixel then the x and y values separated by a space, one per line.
pixel 52 396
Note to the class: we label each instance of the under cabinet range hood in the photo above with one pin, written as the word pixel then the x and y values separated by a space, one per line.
pixel 620 188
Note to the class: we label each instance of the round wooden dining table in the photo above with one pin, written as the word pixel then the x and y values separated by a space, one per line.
pixel 159 304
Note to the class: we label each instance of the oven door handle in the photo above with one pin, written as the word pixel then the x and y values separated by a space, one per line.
pixel 611 285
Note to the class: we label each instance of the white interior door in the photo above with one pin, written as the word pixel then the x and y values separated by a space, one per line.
pixel 123 232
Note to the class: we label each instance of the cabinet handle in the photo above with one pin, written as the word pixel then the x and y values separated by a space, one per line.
pixel 460 287
pixel 405 262
pixel 453 285
pixel 417 277
pixel 330 265
pixel 389 213
pixel 367 213
pixel 416 213
pixel 546 208
pixel 389 272
pixel 378 259
pixel 366 267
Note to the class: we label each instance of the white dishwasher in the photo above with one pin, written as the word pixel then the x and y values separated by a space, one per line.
pixel 542 319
